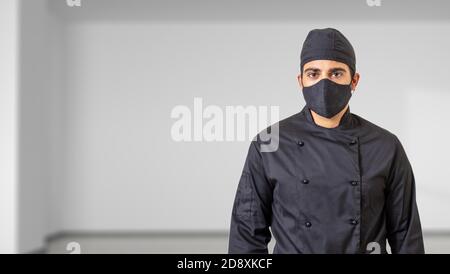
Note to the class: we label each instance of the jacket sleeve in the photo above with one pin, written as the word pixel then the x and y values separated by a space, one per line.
pixel 252 208
pixel 404 230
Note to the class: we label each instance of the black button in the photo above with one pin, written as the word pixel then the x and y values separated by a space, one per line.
pixel 353 142
pixel 354 222
pixel 305 181
pixel 300 143
pixel 354 183
pixel 308 224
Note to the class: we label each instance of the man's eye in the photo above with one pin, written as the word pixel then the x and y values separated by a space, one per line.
pixel 312 75
pixel 336 74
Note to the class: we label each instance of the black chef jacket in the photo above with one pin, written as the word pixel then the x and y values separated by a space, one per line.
pixel 327 190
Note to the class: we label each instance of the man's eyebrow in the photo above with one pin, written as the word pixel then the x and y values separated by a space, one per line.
pixel 312 69
pixel 337 69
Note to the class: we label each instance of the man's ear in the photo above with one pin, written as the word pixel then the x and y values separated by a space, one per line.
pixel 299 79
pixel 355 80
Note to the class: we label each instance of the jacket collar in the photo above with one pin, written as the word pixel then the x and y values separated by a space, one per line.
pixel 348 121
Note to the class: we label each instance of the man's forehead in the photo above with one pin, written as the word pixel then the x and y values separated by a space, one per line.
pixel 325 65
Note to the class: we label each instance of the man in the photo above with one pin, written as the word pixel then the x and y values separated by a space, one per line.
pixel 337 183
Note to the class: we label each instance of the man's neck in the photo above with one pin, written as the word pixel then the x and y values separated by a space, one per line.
pixel 328 122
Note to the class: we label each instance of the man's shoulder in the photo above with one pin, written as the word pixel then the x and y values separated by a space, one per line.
pixel 377 131
pixel 286 126
pixel 291 121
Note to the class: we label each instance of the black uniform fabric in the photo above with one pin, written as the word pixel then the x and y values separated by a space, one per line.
pixel 327 190
pixel 328 44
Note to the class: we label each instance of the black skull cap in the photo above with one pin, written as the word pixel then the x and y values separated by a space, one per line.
pixel 328 44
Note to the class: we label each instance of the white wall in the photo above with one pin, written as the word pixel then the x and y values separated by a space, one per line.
pixel 35 124
pixel 8 125
pixel 28 124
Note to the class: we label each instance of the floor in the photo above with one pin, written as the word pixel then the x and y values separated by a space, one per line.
pixel 436 242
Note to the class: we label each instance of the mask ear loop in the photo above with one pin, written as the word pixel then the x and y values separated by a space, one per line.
pixel 352 90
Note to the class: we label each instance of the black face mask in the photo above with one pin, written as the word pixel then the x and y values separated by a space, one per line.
pixel 327 98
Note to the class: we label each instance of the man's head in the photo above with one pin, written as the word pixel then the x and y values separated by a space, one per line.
pixel 328 65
